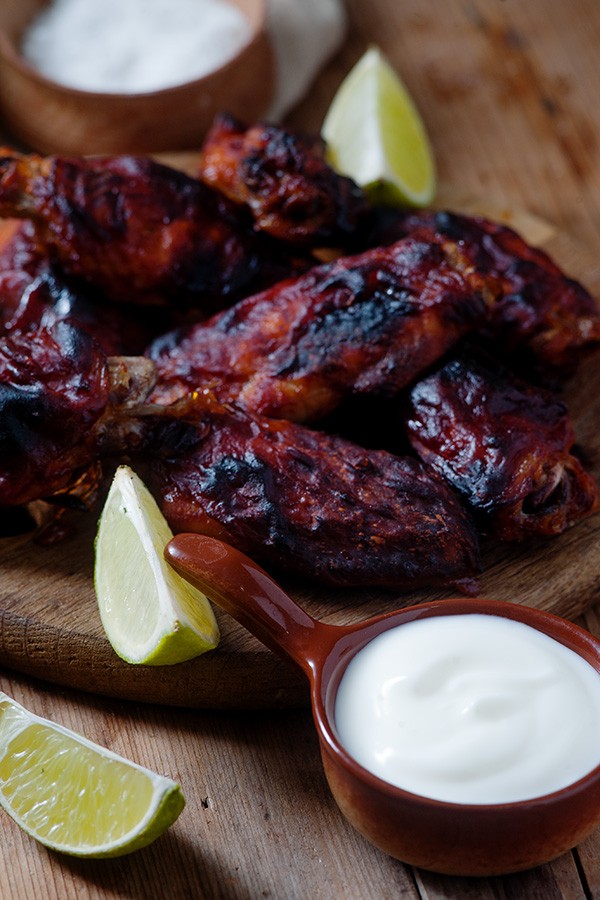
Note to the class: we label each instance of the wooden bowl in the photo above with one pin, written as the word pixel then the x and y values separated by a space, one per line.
pixel 52 118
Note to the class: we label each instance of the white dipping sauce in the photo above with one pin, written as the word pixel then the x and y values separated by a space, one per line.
pixel 131 46
pixel 470 709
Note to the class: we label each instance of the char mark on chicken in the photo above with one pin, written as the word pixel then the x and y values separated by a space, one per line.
pixel 285 182
pixel 139 231
pixel 310 503
pixel 504 445
pixel 365 324
pixel 542 320
pixel 63 405
pixel 305 501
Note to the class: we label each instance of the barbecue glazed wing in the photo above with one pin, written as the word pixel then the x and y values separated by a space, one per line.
pixel 319 506
pixel 139 231
pixel 283 179
pixel 62 404
pixel 539 312
pixel 119 329
pixel 310 503
pixel 35 293
pixel 504 445
pixel 21 261
pixel 365 324
pixel 53 388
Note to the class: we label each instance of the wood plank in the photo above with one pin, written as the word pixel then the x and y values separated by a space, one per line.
pixel 558 880
pixel 588 859
pixel 257 809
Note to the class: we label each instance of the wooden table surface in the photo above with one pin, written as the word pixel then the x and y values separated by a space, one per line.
pixel 509 93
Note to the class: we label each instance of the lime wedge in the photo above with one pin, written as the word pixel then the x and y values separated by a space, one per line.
pixel 75 796
pixel 375 135
pixel 150 614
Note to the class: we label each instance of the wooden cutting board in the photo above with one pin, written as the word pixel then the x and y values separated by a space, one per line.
pixel 50 628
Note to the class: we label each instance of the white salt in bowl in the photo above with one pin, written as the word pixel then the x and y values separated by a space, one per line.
pixel 52 118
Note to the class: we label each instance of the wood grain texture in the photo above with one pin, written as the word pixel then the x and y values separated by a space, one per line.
pixel 509 94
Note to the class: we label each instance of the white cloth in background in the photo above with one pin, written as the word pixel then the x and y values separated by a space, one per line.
pixel 304 34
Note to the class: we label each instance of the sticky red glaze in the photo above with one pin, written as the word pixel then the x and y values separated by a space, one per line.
pixel 365 324
pixel 139 231
pixel 54 387
pixel 505 445
pixel 284 181
pixel 311 503
pixel 539 309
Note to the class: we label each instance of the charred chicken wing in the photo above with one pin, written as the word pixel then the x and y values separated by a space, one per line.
pixel 283 179
pixel 504 445
pixel 366 324
pixel 316 505
pixel 35 292
pixel 313 504
pixel 62 404
pixel 540 314
pixel 139 231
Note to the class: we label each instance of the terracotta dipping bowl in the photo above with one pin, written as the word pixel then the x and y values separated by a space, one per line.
pixel 52 118
pixel 444 837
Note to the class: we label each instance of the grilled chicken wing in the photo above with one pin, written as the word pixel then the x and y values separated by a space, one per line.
pixel 283 179
pixel 62 404
pixel 35 293
pixel 366 324
pixel 504 445
pixel 21 261
pixel 139 231
pixel 313 504
pixel 317 505
pixel 541 316
pixel 120 329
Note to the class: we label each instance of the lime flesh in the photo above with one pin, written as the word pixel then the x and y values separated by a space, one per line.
pixel 74 796
pixel 375 135
pixel 150 615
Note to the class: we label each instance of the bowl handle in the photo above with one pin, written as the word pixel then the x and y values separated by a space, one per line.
pixel 244 590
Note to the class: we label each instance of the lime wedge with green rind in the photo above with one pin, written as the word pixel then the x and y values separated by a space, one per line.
pixel 75 796
pixel 149 614
pixel 375 135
